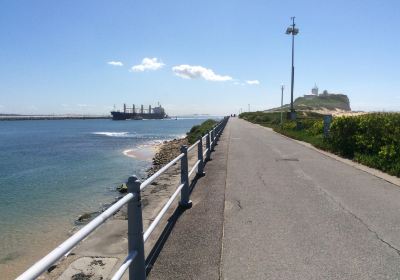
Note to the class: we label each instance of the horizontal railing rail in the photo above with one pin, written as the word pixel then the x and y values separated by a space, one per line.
pixel 135 260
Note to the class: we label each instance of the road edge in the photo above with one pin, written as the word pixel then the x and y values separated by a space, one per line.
pixel 375 172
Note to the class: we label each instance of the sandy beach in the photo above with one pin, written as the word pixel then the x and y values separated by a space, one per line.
pixel 144 152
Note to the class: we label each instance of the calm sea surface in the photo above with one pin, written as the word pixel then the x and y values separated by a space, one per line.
pixel 53 171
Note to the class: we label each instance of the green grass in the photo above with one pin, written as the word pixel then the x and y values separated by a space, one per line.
pixel 330 102
pixel 316 140
pixel 200 130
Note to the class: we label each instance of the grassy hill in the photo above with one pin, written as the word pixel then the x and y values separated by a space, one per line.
pixel 321 102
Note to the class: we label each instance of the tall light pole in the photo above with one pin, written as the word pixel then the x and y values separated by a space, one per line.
pixel 292 30
pixel 282 88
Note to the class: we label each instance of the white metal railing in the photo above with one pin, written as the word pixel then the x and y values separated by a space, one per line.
pixel 136 238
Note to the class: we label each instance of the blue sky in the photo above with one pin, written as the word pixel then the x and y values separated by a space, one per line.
pixel 55 54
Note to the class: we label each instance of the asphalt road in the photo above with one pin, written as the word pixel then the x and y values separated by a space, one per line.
pixel 293 213
pixel 270 208
pixel 193 248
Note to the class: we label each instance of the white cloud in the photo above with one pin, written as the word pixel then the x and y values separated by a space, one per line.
pixel 253 82
pixel 148 64
pixel 197 72
pixel 115 63
pixel 84 105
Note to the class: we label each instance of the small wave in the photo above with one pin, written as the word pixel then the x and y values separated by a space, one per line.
pixel 129 153
pixel 112 134
pixel 128 135
pixel 144 151
pixel 180 136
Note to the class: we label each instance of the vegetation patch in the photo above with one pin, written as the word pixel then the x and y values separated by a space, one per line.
pixel 371 139
pixel 321 102
pixel 200 130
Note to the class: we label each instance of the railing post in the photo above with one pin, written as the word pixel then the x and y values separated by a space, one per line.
pixel 212 139
pixel 208 146
pixel 185 192
pixel 200 168
pixel 218 131
pixel 137 269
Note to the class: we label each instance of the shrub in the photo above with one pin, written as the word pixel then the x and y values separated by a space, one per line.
pixel 343 135
pixel 289 125
pixel 200 130
pixel 372 139
pixel 316 128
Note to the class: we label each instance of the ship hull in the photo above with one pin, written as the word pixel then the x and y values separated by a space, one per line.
pixel 119 116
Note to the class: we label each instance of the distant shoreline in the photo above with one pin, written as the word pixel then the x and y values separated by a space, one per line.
pixel 47 117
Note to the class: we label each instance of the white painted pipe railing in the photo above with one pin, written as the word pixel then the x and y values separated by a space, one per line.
pixel 149 180
pixel 194 168
pixel 193 146
pixel 153 225
pixel 124 266
pixel 135 260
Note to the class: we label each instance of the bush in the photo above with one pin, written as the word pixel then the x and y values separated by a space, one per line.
pixel 372 139
pixel 262 117
pixel 316 128
pixel 289 125
pixel 200 130
pixel 343 136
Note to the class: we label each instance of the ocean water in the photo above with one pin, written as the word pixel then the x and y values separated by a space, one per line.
pixel 53 171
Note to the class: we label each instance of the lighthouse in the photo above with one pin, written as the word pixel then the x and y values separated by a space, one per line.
pixel 314 90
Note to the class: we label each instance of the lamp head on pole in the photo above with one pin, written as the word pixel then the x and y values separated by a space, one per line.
pixel 292 29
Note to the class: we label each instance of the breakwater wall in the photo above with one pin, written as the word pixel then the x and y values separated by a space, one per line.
pixel 50 117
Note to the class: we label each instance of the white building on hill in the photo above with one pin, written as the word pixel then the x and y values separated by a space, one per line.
pixel 314 90
pixel 314 93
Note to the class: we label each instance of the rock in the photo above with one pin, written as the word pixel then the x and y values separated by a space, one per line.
pixel 51 268
pixel 123 188
pixel 84 217
pixel 81 276
pixel 168 151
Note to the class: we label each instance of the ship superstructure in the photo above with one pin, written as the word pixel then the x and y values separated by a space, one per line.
pixel 141 113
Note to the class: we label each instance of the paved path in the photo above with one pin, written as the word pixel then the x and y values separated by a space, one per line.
pixel 290 213
pixel 193 249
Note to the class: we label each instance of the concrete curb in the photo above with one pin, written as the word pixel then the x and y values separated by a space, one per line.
pixel 375 172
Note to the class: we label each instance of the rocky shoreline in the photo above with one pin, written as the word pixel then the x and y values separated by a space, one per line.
pixel 166 152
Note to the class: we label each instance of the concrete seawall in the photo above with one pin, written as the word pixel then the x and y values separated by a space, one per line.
pixel 35 118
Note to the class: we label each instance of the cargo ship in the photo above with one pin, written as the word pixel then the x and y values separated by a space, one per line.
pixel 139 113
